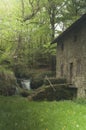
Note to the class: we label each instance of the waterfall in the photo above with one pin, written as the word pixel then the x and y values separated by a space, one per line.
pixel 17 91
pixel 26 84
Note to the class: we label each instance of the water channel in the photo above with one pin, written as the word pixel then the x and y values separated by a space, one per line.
pixel 25 83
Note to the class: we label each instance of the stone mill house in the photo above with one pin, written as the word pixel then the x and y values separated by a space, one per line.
pixel 71 55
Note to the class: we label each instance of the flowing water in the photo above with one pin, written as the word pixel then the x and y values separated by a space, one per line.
pixel 26 84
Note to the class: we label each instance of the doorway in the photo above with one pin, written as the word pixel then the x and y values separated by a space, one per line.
pixel 71 71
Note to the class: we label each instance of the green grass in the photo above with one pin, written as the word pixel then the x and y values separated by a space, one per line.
pixel 17 113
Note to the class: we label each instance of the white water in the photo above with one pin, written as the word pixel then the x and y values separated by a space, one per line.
pixel 26 84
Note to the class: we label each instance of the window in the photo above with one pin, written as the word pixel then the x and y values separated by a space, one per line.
pixel 71 71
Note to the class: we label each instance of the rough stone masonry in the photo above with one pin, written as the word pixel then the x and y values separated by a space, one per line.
pixel 71 55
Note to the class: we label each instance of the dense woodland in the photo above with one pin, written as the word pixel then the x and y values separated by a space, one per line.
pixel 27 28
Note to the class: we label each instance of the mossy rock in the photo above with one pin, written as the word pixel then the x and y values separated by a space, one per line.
pixel 8 82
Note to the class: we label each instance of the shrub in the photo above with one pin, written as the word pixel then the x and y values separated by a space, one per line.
pixel 55 81
pixel 61 92
pixel 81 101
pixel 22 71
pixel 7 82
pixel 36 82
pixel 24 93
pixel 38 78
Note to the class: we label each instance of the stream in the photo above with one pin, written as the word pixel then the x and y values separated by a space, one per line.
pixel 26 84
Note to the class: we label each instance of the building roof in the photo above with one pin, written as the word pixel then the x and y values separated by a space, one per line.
pixel 74 25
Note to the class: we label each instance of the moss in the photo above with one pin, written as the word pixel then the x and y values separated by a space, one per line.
pixel 8 82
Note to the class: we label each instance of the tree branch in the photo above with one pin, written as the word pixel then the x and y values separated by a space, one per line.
pixel 34 9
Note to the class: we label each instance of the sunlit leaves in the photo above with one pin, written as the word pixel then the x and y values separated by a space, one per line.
pixel 37 22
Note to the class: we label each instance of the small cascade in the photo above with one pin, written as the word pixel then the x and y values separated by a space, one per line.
pixel 26 84
pixel 17 91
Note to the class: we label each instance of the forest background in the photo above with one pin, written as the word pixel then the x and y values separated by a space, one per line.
pixel 27 27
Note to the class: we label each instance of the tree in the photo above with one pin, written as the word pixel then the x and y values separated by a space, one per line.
pixel 73 10
pixel 28 26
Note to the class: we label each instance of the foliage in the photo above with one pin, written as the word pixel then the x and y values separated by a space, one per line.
pixel 36 82
pixel 81 101
pixel 37 78
pixel 23 92
pixel 48 93
pixel 8 82
pixel 27 28
pixel 20 114
pixel 55 81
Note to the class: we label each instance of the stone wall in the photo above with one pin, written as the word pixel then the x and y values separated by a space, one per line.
pixel 80 84
pixel 71 57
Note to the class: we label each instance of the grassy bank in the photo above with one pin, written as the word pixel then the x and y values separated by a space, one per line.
pixel 17 113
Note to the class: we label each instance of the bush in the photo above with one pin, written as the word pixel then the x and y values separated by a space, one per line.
pixel 7 82
pixel 38 78
pixel 60 92
pixel 36 81
pixel 49 74
pixel 55 81
pixel 24 93
pixel 22 71
pixel 81 101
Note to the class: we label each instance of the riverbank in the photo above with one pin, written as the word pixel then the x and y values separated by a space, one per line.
pixel 17 113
